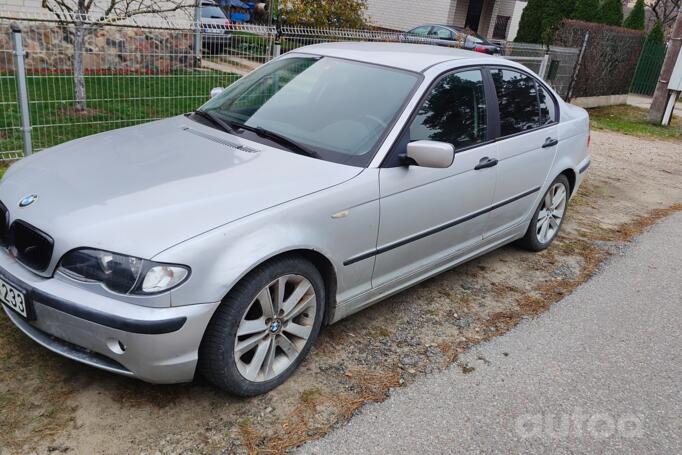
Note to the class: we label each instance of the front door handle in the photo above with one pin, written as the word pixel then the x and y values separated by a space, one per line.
pixel 550 142
pixel 486 162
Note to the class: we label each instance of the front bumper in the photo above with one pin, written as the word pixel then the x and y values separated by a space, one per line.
pixel 157 345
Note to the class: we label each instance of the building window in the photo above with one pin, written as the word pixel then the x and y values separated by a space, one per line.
pixel 501 27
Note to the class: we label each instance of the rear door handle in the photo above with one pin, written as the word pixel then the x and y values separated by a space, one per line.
pixel 486 162
pixel 549 142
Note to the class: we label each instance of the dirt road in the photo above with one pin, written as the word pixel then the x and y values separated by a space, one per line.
pixel 52 405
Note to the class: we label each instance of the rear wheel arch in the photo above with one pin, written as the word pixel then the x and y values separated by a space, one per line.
pixel 572 177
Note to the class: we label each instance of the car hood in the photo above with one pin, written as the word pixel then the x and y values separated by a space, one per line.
pixel 143 189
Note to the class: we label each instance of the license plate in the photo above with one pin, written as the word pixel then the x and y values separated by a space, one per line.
pixel 13 298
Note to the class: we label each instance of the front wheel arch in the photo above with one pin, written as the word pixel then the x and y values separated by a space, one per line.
pixel 323 265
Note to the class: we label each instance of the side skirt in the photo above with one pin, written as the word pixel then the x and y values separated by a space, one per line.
pixel 369 298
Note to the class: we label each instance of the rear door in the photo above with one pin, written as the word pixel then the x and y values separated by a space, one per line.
pixel 527 145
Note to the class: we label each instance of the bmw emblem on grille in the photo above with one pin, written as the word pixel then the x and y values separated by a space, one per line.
pixel 28 200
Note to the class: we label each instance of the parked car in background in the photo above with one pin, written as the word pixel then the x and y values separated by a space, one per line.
pixel 215 36
pixel 450 34
pixel 220 242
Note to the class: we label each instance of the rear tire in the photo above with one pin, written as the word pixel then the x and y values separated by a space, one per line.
pixel 264 328
pixel 548 217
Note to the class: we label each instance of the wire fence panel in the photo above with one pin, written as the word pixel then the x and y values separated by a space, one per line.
pixel 85 76
pixel 295 37
pixel 561 68
pixel 128 75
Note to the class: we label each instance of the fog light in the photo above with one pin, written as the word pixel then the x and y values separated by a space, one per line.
pixel 116 346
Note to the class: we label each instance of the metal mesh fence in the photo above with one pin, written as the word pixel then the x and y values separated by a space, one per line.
pixel 560 68
pixel 134 72
pixel 130 75
pixel 648 68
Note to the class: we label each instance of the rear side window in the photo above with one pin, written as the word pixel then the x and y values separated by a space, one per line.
pixel 547 107
pixel 519 101
pixel 454 112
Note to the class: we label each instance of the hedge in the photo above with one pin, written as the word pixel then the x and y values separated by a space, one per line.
pixel 610 59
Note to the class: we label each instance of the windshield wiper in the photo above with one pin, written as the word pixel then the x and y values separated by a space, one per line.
pixel 280 139
pixel 215 120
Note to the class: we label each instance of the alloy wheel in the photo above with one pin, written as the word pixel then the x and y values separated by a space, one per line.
pixel 552 213
pixel 275 328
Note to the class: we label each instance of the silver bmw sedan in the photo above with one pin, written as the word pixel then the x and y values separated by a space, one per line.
pixel 220 242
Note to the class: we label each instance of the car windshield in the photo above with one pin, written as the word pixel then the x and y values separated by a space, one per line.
pixel 212 12
pixel 337 108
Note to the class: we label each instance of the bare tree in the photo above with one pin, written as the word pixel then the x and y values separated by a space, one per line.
pixel 665 11
pixel 88 15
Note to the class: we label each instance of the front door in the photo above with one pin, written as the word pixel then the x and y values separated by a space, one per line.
pixel 527 146
pixel 428 214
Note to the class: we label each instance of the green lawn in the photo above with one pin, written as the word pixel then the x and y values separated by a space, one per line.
pixel 632 120
pixel 114 101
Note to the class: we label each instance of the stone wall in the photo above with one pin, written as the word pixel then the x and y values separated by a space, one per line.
pixel 110 49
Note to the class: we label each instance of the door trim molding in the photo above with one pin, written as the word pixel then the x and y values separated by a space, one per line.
pixel 437 229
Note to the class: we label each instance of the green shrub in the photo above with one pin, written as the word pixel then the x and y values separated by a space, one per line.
pixel 656 34
pixel 541 18
pixel 611 13
pixel 636 19
pixel 587 10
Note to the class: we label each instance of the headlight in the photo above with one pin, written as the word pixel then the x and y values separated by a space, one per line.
pixel 122 274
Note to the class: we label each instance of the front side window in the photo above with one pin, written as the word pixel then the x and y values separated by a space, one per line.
pixel 454 112
pixel 441 33
pixel 517 95
pixel 338 108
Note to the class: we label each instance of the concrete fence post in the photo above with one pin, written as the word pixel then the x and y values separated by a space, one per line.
pixel 20 74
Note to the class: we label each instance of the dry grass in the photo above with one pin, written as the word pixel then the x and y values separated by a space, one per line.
pixel 44 409
pixel 317 412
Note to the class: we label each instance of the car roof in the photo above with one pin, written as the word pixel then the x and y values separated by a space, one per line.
pixel 407 56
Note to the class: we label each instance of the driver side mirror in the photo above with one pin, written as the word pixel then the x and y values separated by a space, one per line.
pixel 215 91
pixel 432 154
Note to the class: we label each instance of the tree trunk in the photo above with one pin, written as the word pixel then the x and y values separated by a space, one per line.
pixel 660 100
pixel 78 69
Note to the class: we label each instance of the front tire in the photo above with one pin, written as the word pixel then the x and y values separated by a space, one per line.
pixel 264 328
pixel 548 217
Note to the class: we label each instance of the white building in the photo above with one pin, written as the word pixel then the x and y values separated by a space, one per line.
pixel 494 19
